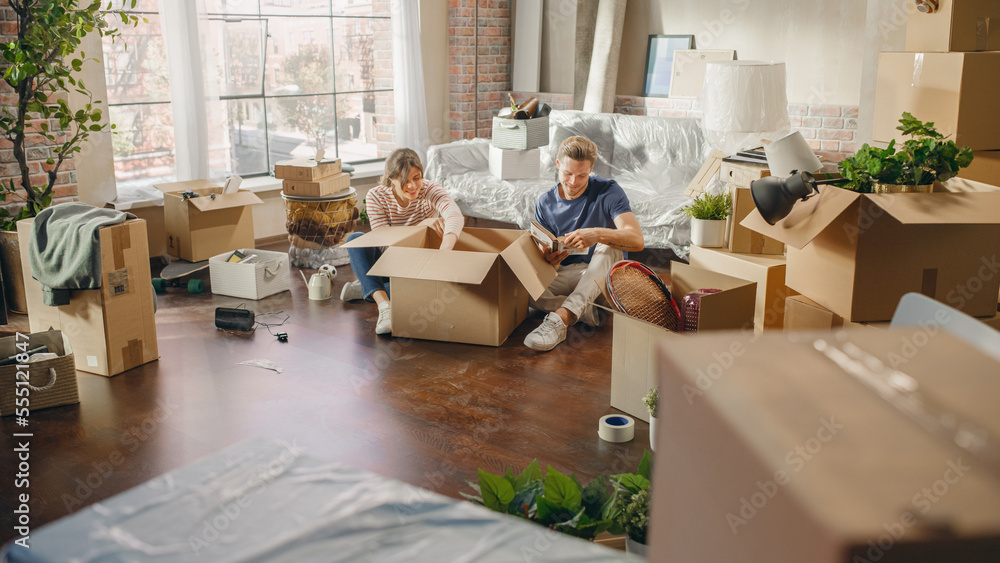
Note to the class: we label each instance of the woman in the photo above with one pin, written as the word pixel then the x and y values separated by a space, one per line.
pixel 403 197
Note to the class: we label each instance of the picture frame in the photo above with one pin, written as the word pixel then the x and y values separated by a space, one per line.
pixel 659 62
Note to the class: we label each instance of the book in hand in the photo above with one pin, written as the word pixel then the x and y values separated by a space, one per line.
pixel 552 242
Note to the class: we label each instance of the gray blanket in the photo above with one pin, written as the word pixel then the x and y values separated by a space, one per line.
pixel 65 250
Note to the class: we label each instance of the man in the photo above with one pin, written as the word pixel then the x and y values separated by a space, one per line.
pixel 593 213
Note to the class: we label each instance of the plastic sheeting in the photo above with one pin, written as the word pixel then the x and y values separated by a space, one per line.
pixel 263 501
pixel 653 158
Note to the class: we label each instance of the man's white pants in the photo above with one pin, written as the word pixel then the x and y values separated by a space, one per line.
pixel 576 285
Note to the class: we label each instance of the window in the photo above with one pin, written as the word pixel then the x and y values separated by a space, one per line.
pixel 292 77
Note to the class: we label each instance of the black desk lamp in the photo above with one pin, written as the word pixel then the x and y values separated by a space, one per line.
pixel 775 197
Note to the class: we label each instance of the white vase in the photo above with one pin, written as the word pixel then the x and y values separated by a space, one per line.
pixel 634 547
pixel 708 233
pixel 652 433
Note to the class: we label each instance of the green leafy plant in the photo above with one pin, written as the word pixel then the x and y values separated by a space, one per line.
pixel 363 215
pixel 634 516
pixel 558 501
pixel 927 156
pixel 650 400
pixel 41 62
pixel 710 207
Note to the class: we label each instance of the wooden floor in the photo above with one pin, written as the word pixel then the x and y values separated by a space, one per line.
pixel 427 413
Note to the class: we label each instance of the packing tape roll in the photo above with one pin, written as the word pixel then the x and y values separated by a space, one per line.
pixel 616 428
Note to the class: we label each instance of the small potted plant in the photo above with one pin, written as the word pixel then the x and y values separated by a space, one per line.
pixel 927 156
pixel 634 519
pixel 650 400
pixel 708 214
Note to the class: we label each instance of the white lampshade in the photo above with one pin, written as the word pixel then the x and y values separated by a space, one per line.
pixel 791 153
pixel 744 102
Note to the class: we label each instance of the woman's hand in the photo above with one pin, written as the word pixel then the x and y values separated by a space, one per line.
pixel 448 241
pixel 437 224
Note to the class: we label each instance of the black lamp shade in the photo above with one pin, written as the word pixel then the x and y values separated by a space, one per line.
pixel 775 197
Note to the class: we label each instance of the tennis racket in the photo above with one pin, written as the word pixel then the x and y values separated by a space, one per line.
pixel 636 291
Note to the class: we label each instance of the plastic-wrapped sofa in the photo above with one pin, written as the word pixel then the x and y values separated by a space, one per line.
pixel 653 158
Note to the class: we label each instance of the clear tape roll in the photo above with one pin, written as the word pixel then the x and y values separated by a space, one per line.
pixel 616 428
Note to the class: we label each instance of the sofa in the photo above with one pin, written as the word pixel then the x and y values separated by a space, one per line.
pixel 653 158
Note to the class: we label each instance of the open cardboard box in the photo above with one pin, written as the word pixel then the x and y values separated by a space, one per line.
pixel 477 293
pixel 200 227
pixel 767 270
pixel 771 451
pixel 858 254
pixel 633 349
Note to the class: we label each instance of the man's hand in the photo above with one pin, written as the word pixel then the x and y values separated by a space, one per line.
pixel 554 258
pixel 582 238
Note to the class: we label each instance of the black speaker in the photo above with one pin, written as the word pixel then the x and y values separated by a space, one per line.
pixel 234 319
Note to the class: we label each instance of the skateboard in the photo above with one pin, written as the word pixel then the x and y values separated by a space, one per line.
pixel 173 272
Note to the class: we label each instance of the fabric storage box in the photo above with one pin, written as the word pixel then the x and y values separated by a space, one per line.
pixel 522 134
pixel 251 278
pixel 52 382
pixel 514 165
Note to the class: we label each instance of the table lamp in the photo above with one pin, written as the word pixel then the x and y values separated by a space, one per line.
pixel 744 103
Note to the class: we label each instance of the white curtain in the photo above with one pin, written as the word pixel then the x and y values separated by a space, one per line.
pixel 191 87
pixel 408 78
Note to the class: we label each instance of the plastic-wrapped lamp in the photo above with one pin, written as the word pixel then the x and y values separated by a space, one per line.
pixel 744 102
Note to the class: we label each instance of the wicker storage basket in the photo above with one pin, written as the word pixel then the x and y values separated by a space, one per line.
pixel 51 383
pixel 316 225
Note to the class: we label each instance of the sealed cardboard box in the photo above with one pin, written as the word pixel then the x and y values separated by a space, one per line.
pixel 210 223
pixel 112 329
pixel 321 187
pixel 306 169
pixel 956 25
pixel 633 350
pixel 776 450
pixel 476 294
pixel 858 254
pixel 152 213
pixel 767 271
pixel 956 91
pixel 514 165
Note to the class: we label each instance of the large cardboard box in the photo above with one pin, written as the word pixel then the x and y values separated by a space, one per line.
pixel 985 167
pixel 515 165
pixel 956 25
pixel 111 329
pixel 857 254
pixel 633 349
pixel 200 227
pixel 767 271
pixel 769 450
pixel 476 294
pixel 956 91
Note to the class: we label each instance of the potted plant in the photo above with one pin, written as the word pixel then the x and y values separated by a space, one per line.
pixel 708 214
pixel 634 519
pixel 650 400
pixel 927 156
pixel 41 61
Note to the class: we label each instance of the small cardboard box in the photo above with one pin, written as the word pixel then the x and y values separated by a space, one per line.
pixel 633 349
pixel 858 254
pixel 742 174
pixel 476 294
pixel 520 134
pixel 306 169
pixel 743 240
pixel 766 270
pixel 201 227
pixel 515 165
pixel 771 449
pixel 956 25
pixel 318 188
pixel 253 278
pixel 956 91
pixel 112 329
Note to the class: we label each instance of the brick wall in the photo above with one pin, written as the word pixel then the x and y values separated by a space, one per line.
pixel 382 52
pixel 36 146
pixel 479 64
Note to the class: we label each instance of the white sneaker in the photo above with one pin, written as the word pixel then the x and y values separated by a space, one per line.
pixel 384 323
pixel 548 335
pixel 352 292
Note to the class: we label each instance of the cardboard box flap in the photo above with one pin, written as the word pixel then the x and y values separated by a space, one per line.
pixel 528 264
pixel 224 201
pixel 177 187
pixel 973 208
pixel 432 264
pixel 807 219
pixel 391 236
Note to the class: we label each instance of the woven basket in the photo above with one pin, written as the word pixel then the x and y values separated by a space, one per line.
pixel 325 221
pixel 51 383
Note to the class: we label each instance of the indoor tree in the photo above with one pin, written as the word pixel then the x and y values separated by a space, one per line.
pixel 39 66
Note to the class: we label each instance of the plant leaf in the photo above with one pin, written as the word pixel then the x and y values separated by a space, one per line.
pixel 497 492
pixel 561 489
pixel 646 465
pixel 531 473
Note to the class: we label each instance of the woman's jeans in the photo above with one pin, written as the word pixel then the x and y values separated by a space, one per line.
pixel 362 260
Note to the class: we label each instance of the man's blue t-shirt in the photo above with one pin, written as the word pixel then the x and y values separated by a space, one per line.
pixel 597 207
